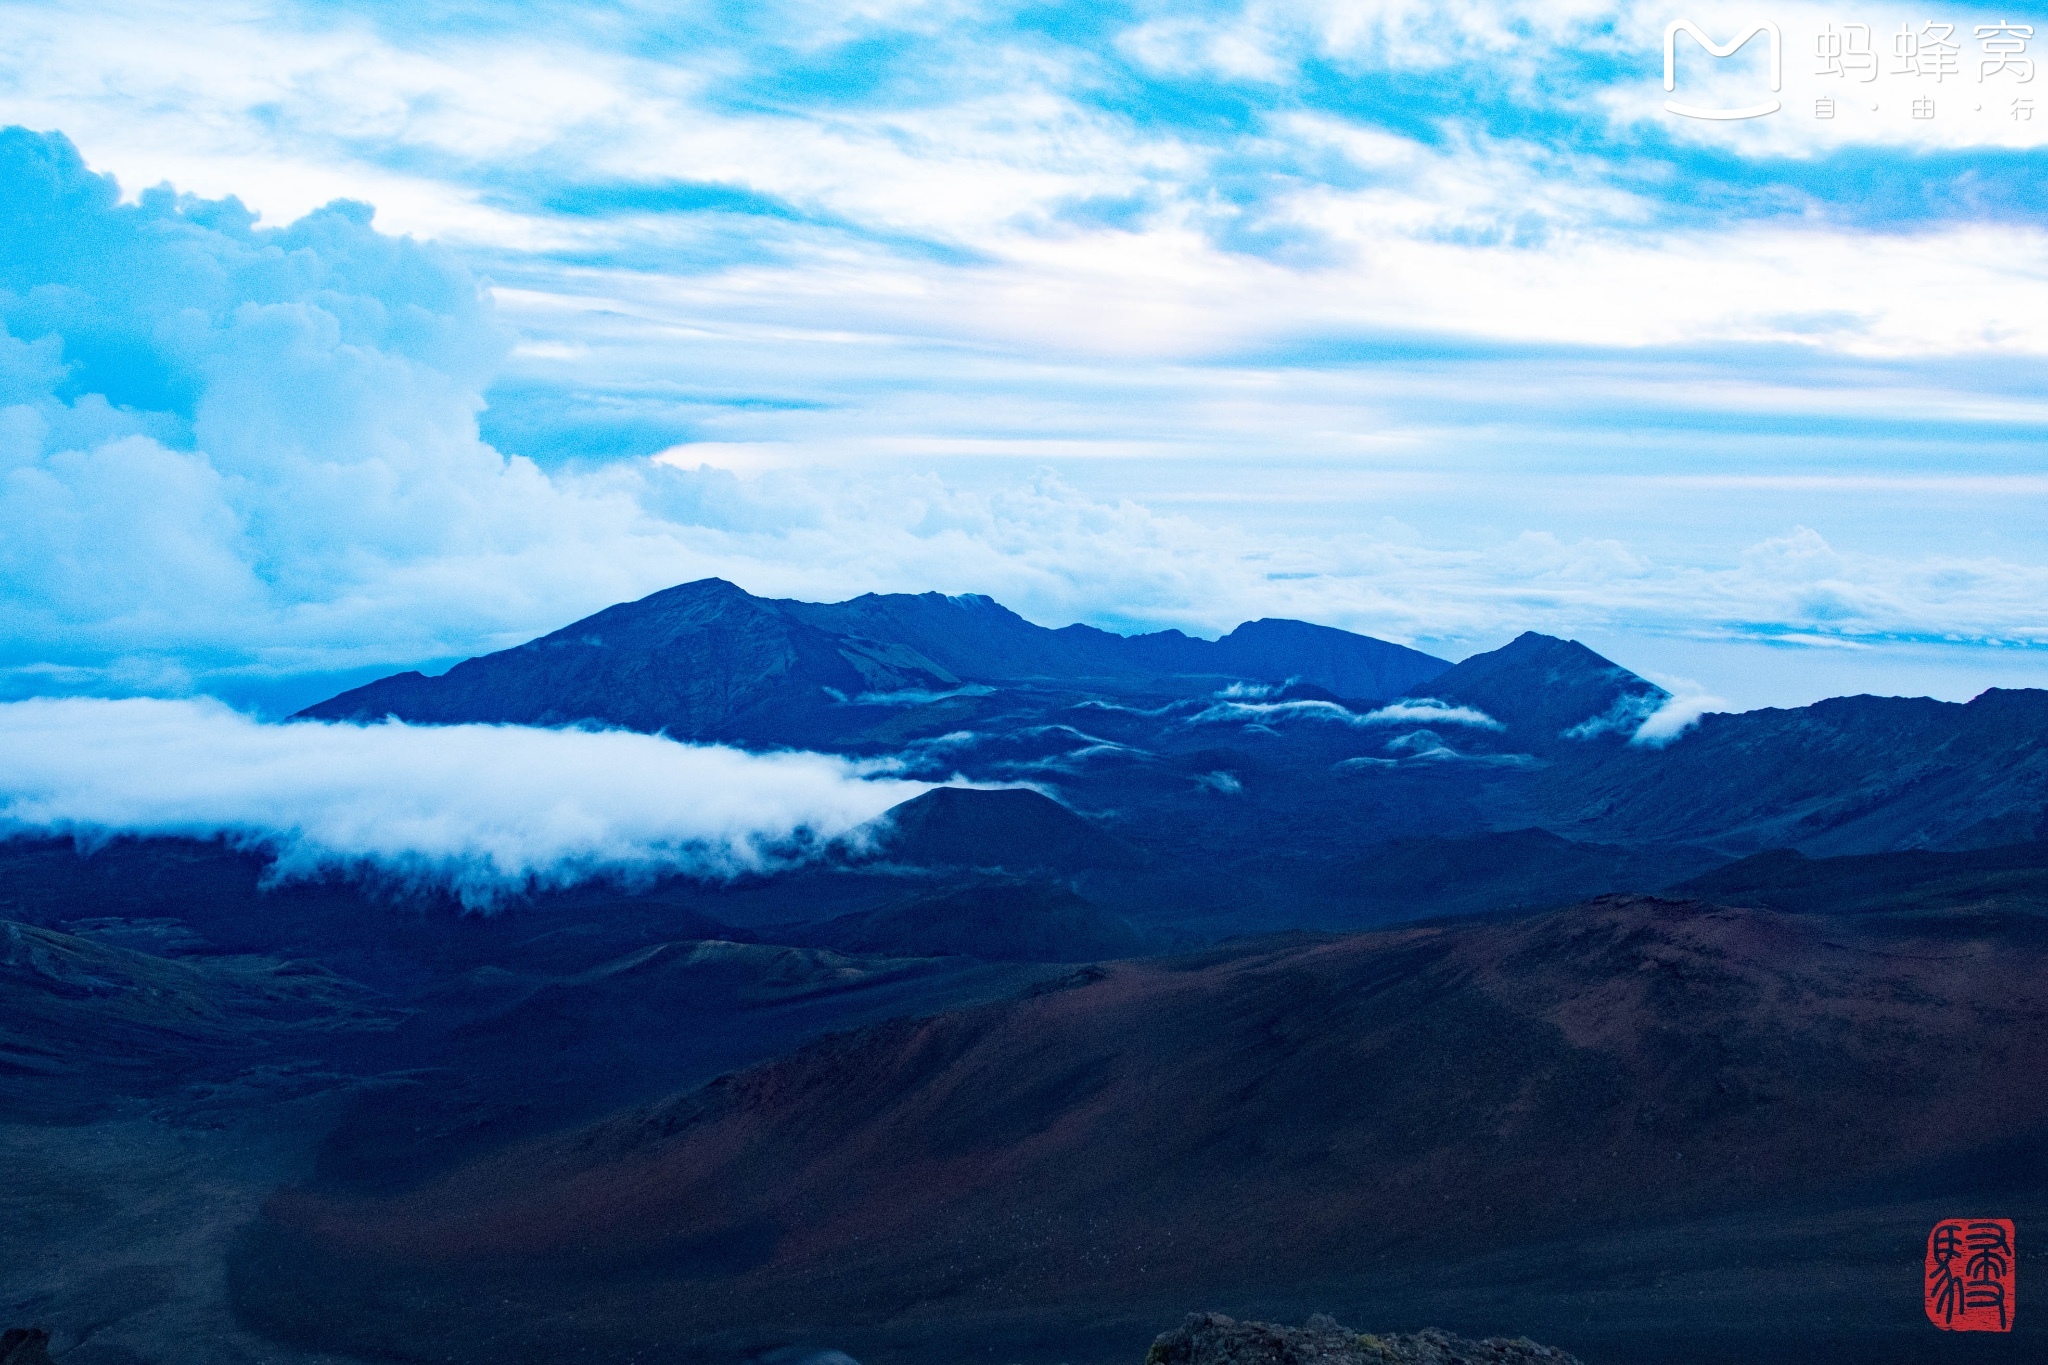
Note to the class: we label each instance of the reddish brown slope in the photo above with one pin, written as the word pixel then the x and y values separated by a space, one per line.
pixel 1168 1132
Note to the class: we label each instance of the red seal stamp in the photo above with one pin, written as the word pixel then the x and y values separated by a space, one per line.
pixel 1970 1265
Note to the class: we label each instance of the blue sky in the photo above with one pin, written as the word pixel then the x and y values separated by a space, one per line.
pixel 1425 320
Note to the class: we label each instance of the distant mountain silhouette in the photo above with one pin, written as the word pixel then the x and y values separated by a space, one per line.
pixel 1231 791
pixel 707 660
pixel 1842 776
pixel 982 641
pixel 1545 689
pixel 2007 879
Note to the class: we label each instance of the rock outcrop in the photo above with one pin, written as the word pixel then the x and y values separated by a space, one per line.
pixel 1212 1339
pixel 25 1346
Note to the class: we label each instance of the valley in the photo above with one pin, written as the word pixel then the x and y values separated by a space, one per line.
pixel 1291 973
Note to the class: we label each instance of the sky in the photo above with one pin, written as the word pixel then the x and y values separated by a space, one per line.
pixel 345 338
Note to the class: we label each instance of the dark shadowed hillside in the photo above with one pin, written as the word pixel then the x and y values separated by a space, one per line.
pixel 1010 920
pixel 1477 1125
pixel 1525 869
pixel 1011 827
pixel 2013 878
pixel 1848 775
pixel 85 1023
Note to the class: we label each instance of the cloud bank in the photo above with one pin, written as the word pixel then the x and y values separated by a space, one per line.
pixel 484 810
pixel 236 457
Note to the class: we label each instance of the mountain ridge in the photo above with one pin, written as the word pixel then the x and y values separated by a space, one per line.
pixel 708 660
pixel 1208 748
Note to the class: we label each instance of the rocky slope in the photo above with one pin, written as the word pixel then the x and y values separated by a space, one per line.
pixel 1213 1339
pixel 1481 1122
pixel 84 1023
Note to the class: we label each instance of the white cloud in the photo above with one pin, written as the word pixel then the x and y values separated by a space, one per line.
pixel 1432 711
pixel 1437 229
pixel 1426 746
pixel 1629 713
pixel 1674 718
pixel 485 810
pixel 327 503
pixel 1427 709
pixel 1675 711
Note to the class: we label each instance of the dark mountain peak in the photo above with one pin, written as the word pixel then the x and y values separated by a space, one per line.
pixel 894 607
pixel 659 615
pixel 709 660
pixel 703 660
pixel 699 588
pixel 1276 649
pixel 1169 635
pixel 2028 703
pixel 1533 649
pixel 1009 827
pixel 970 635
pixel 1549 689
pixel 1285 628
pixel 699 598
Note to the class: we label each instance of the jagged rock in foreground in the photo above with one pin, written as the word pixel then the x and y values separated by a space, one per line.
pixel 1212 1339
pixel 24 1346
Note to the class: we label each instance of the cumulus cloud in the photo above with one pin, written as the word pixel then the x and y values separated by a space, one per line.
pixel 227 445
pixel 484 810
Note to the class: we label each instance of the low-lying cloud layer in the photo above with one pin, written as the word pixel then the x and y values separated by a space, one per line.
pixel 484 810
pixel 1398 713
